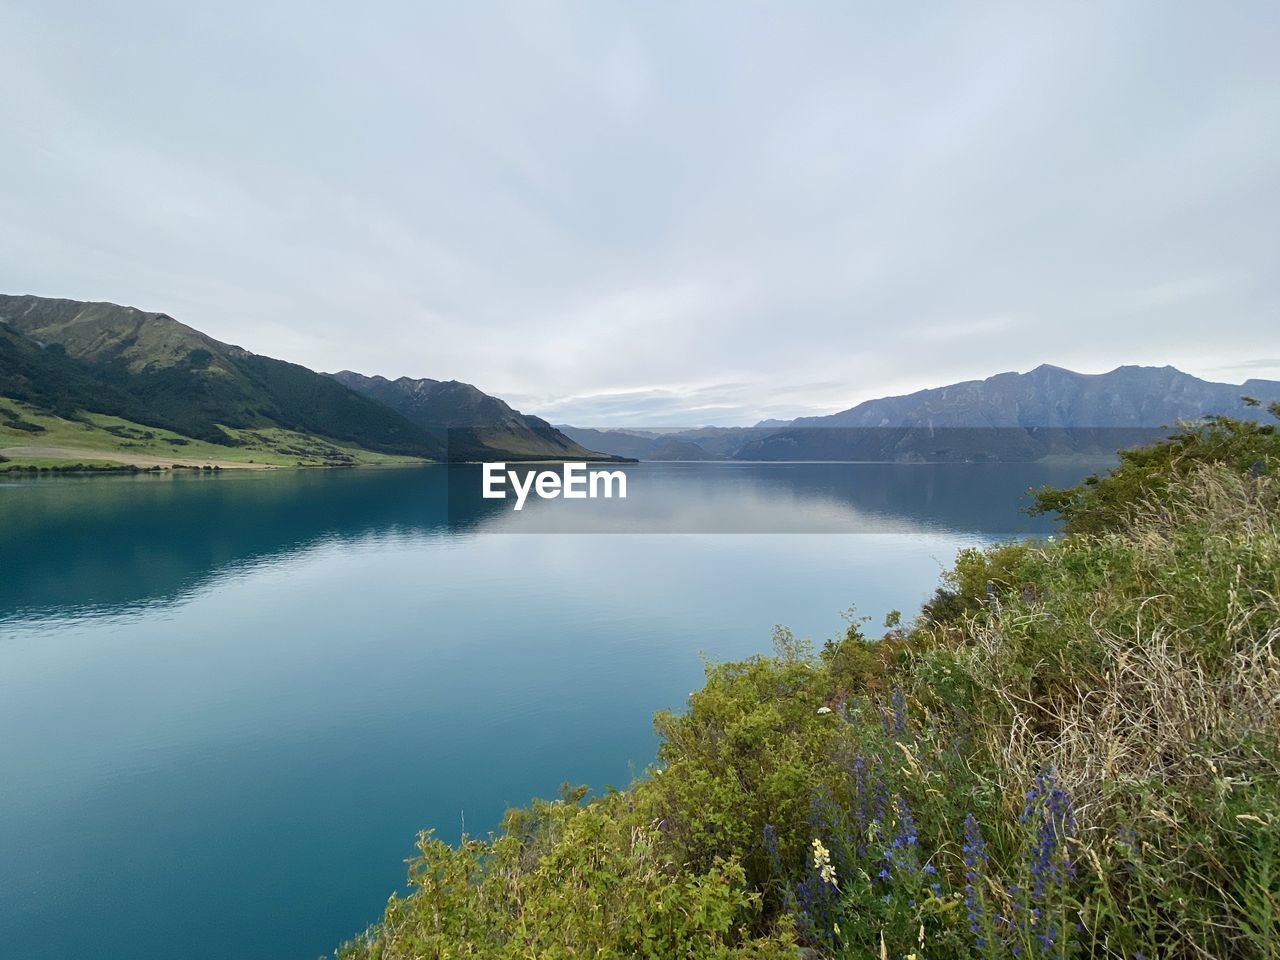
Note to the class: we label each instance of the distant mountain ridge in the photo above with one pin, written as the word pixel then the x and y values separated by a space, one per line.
pixel 1016 416
pixel 695 443
pixel 1049 396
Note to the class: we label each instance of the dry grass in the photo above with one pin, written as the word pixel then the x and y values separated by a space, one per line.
pixel 1156 697
pixel 1146 674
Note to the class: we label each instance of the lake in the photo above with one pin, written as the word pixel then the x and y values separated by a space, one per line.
pixel 229 702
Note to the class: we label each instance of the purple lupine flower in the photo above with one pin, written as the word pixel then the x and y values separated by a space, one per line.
pixel 897 703
pixel 1049 809
pixel 1127 842
pixel 871 799
pixel 975 863
pixel 906 836
pixel 771 849
pixel 1049 863
pixel 880 795
pixel 828 820
pixel 817 901
pixel 861 806
pixel 900 854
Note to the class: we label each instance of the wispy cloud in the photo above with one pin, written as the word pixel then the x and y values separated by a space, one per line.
pixel 724 404
pixel 1261 363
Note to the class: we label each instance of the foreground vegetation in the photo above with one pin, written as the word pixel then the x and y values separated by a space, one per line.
pixel 1074 751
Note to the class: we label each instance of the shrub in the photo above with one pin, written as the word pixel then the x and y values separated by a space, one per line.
pixel 1144 473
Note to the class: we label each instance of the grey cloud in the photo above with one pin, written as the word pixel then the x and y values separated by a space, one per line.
pixel 567 204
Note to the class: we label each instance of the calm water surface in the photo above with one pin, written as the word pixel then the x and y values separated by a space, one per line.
pixel 229 702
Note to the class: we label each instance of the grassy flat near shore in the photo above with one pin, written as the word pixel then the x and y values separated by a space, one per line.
pixel 30 437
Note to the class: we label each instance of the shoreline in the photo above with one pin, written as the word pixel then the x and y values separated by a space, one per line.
pixel 113 462
pixel 140 460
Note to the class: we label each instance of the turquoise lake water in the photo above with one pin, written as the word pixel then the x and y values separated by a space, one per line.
pixel 229 702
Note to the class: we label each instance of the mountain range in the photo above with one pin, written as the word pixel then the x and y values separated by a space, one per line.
pixel 1010 416
pixel 118 381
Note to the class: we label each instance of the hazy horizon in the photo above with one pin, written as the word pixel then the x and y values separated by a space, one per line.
pixel 614 215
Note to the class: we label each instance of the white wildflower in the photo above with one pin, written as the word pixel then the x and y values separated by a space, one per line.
pixel 822 863
pixel 822 710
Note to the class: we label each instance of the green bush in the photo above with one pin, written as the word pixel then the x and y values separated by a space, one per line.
pixel 1143 474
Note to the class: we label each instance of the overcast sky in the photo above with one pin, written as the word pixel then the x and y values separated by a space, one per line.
pixel 659 214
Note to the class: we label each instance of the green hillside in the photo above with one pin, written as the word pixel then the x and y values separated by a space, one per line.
pixel 46 377
pixel 63 356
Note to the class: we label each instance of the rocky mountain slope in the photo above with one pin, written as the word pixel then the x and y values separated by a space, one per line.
pixel 472 421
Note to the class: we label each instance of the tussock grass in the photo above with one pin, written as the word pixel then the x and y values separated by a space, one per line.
pixel 1178 685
